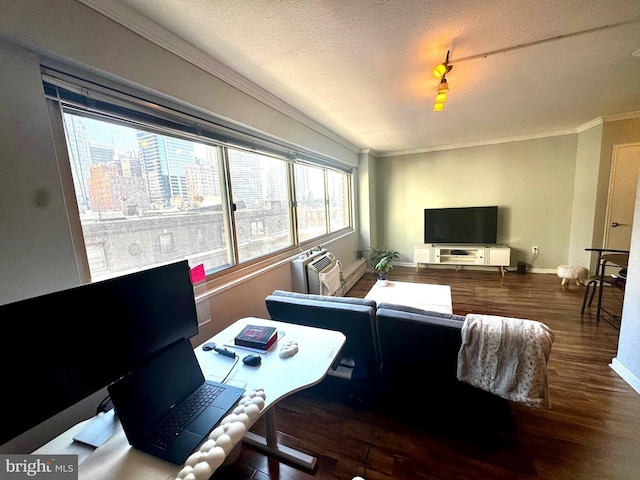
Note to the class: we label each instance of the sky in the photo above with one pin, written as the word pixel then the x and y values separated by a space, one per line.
pixel 123 139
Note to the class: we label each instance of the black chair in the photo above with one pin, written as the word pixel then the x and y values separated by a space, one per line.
pixel 599 279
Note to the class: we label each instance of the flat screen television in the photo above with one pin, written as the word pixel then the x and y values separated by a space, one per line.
pixel 59 348
pixel 462 225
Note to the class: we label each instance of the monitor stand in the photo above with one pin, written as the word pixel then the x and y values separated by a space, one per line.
pixel 98 430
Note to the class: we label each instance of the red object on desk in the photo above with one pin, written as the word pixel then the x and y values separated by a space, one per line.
pixel 257 336
pixel 197 274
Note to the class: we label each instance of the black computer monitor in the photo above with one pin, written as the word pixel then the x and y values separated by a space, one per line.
pixel 59 348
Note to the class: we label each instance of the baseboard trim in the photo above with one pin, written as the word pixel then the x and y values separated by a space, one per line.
pixel 625 374
pixel 473 267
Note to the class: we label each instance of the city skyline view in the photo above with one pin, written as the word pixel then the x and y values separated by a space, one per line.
pixel 163 199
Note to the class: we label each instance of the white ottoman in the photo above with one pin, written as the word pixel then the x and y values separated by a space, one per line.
pixel 568 272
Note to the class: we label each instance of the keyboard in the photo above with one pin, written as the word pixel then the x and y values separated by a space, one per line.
pixel 175 423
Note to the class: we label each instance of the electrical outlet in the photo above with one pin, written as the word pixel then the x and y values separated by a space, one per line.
pixel 534 249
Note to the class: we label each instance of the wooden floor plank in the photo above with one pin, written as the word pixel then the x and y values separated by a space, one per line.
pixel 591 431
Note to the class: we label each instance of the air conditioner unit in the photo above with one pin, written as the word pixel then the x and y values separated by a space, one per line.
pixel 299 269
pixel 319 265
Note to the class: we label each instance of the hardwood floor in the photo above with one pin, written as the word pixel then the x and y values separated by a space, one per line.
pixel 591 431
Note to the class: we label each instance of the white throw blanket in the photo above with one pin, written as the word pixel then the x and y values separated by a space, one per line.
pixel 507 357
pixel 330 281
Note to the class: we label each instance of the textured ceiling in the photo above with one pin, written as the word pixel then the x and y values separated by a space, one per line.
pixel 362 68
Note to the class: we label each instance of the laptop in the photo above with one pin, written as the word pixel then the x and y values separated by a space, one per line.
pixel 166 407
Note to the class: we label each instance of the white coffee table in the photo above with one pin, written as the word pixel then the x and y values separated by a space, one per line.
pixel 436 298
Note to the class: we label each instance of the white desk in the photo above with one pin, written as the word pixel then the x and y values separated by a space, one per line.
pixel 318 349
pixel 435 298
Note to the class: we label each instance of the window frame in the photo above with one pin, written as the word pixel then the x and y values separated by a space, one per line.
pixel 87 97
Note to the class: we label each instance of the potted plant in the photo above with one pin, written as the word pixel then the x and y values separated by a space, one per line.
pixel 377 254
pixel 383 267
pixel 382 262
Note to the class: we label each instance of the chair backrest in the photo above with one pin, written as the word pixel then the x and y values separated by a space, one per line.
pixel 354 317
pixel 423 344
pixel 600 259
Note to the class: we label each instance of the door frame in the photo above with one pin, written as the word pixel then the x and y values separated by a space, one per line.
pixel 611 192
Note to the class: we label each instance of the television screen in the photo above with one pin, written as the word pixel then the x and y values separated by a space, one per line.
pixel 59 348
pixel 465 225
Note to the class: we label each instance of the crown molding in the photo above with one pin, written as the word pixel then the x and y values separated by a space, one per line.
pixel 593 123
pixel 455 146
pixel 621 116
pixel 608 118
pixel 136 22
pixel 579 129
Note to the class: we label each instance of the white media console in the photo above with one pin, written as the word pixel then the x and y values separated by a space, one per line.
pixel 460 255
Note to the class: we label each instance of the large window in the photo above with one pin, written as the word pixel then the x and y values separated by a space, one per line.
pixel 260 195
pixel 311 202
pixel 148 194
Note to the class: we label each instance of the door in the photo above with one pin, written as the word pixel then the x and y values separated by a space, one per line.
pixel 622 196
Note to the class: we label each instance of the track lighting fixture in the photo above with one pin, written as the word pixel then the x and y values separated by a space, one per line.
pixel 442 69
pixel 444 86
pixel 439 72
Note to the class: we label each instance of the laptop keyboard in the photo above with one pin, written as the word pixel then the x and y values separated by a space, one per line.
pixel 175 423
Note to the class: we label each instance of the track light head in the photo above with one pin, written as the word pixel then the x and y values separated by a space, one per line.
pixel 444 86
pixel 441 70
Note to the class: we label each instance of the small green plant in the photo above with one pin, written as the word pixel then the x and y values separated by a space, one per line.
pixel 384 265
pixel 382 259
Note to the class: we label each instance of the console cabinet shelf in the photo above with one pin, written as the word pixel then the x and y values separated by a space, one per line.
pixel 460 255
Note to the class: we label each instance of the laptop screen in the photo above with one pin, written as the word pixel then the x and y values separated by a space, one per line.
pixel 157 386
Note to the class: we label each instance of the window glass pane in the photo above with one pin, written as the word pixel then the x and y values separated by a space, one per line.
pixel 310 199
pixel 144 198
pixel 338 189
pixel 260 193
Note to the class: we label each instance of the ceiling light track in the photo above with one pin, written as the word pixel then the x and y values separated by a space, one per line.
pixel 545 40
pixel 440 71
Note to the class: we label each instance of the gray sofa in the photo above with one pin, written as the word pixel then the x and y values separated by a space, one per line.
pixel 382 338
pixel 397 351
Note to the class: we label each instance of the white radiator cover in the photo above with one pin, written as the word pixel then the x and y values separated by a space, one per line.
pixel 352 274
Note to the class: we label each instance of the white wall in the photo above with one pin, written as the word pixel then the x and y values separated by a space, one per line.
pixel 532 182
pixel 627 361
pixel 36 254
pixel 582 234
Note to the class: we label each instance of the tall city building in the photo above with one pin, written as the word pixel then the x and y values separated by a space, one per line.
pixel 79 158
pixel 246 178
pixel 101 153
pixel 165 161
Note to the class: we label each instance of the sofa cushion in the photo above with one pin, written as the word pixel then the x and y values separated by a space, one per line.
pixel 419 311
